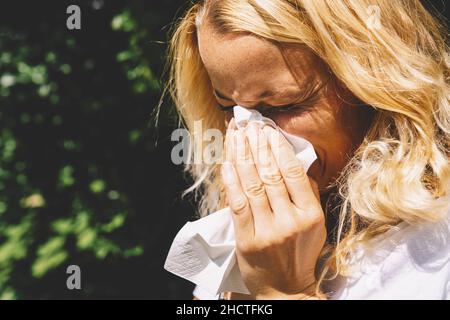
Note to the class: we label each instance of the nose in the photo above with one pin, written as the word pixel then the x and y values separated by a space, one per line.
pixel 248 104
pixel 246 99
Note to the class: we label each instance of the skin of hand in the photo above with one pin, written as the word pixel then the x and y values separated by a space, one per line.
pixel 278 219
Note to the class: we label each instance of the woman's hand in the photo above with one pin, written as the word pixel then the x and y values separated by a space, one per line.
pixel 278 219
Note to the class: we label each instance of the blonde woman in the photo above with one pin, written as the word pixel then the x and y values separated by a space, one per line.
pixel 367 83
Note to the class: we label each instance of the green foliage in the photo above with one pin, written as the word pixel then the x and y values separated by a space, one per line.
pixel 77 184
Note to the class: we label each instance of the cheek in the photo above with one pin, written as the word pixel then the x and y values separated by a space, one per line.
pixel 329 125
pixel 317 126
pixel 331 135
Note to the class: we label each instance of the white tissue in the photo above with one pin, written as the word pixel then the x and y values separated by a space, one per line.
pixel 203 251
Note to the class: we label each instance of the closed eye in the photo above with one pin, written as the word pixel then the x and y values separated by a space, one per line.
pixel 292 107
pixel 271 109
pixel 303 105
pixel 225 108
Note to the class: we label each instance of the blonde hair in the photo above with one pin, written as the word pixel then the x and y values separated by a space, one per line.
pixel 401 170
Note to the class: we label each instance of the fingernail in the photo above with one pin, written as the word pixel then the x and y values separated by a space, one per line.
pixel 230 124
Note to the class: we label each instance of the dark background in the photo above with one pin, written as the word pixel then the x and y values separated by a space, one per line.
pixel 85 173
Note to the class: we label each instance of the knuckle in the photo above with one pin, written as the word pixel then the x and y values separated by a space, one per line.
pixel 273 244
pixel 254 189
pixel 254 247
pixel 247 248
pixel 270 243
pixel 288 236
pixel 288 224
pixel 263 245
pixel 312 222
pixel 239 205
pixel 317 220
pixel 294 170
pixel 271 177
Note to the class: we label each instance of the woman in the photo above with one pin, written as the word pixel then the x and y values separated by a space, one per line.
pixel 367 83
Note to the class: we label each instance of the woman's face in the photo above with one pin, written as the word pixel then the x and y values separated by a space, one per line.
pixel 292 87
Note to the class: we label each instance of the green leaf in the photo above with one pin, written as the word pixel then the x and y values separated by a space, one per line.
pixel 97 186
pixel 116 222
pixel 42 265
pixel 86 239
pixel 66 178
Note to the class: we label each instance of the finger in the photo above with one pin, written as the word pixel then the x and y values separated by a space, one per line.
pixel 228 142
pixel 241 212
pixel 268 170
pixel 295 178
pixel 251 183
pixel 232 124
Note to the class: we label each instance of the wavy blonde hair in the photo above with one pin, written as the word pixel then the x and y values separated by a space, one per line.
pixel 401 170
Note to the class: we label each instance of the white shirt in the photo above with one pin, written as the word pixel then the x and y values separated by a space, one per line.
pixel 406 263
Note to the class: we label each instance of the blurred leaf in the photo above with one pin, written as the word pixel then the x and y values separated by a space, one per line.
pixel 77 180
pixel 33 201
pixel 116 222
pixel 50 255
pixel 86 239
pixel 66 178
pixel 7 80
pixel 97 186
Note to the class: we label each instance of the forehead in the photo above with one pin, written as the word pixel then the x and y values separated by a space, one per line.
pixel 245 62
